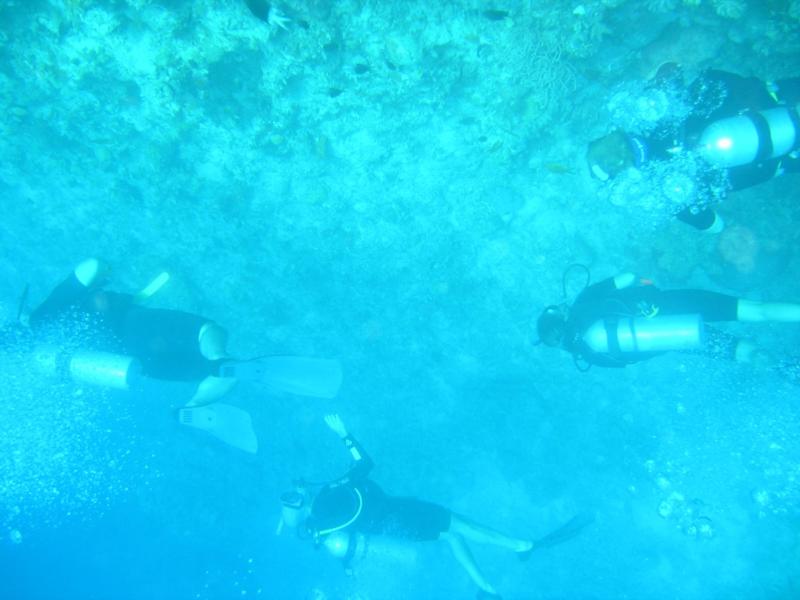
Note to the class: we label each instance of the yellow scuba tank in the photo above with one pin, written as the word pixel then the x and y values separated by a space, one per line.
pixel 751 137
pixel 629 335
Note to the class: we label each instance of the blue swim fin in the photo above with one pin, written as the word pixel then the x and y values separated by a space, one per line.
pixel 314 377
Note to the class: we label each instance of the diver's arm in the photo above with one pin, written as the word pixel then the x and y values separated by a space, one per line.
pixel 624 280
pixel 362 462
pixel 69 292
pixel 618 282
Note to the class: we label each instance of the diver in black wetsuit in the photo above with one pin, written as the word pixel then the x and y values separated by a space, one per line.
pixel 745 130
pixel 108 339
pixel 624 320
pixel 344 512
pixel 168 344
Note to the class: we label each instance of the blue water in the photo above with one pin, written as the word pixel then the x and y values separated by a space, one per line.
pixel 398 185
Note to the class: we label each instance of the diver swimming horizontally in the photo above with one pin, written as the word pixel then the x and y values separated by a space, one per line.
pixel 625 319
pixel 111 339
pixel 726 132
pixel 346 514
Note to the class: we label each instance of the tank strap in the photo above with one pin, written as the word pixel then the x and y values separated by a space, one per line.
pixel 352 543
pixel 761 124
pixel 794 117
pixel 634 339
pixel 611 326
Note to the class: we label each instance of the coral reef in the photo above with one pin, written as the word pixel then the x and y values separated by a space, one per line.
pixel 730 9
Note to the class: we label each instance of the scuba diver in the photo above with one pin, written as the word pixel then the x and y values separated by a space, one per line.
pixel 624 320
pixel 348 516
pixel 732 133
pixel 110 339
pixel 167 344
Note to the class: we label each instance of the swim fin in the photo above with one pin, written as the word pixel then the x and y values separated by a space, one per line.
pixel 314 377
pixel 566 532
pixel 226 423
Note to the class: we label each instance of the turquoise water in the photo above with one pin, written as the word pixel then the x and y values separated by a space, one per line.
pixel 398 185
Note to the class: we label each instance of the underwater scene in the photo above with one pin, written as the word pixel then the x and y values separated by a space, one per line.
pixel 376 300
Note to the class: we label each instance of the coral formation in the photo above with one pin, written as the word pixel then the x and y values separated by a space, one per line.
pixel 730 9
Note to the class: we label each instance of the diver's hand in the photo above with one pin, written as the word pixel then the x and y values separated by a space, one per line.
pixel 335 424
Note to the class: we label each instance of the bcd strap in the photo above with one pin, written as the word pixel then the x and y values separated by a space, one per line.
pixel 794 117
pixel 352 546
pixel 761 124
pixel 611 326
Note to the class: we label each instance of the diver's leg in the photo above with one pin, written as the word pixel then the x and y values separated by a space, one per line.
pixel 211 389
pixel 757 312
pixel 465 559
pixel 483 535
pixel 721 344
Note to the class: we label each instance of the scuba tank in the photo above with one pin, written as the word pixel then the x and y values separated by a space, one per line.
pixel 94 368
pixel 355 548
pixel 751 136
pixel 628 335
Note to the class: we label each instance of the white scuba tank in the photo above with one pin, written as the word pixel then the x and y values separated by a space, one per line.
pixel 376 549
pixel 750 137
pixel 93 368
pixel 628 335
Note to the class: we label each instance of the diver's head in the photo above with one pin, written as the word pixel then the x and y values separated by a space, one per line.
pixel 296 508
pixel 551 325
pixel 610 155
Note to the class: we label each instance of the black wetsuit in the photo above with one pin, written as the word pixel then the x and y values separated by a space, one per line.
pixel 355 504
pixel 164 341
pixel 718 95
pixel 604 301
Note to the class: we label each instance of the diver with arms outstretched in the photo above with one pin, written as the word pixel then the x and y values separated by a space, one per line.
pixel 344 513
